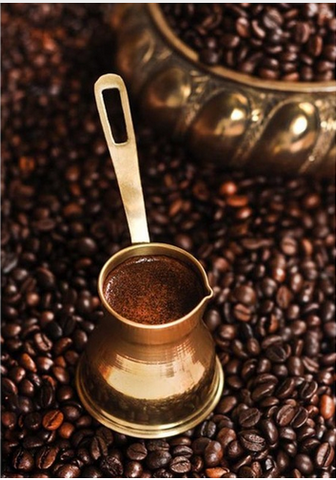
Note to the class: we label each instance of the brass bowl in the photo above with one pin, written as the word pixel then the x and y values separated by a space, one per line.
pixel 226 117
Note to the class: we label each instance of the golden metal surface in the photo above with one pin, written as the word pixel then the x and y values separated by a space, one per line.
pixel 124 158
pixel 267 126
pixel 150 381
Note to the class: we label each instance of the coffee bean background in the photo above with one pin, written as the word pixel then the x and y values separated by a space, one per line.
pixel 281 41
pixel 267 245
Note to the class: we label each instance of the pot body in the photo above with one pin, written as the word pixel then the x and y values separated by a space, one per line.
pixel 150 381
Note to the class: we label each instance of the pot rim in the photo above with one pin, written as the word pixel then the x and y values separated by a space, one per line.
pixel 146 249
pixel 157 16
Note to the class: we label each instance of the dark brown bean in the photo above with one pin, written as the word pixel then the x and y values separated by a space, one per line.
pixel 133 470
pixel 137 451
pixel 285 415
pixel 23 460
pixel 67 470
pixel 263 390
pixel 112 466
pixel 304 464
pixel 249 418
pixel 225 436
pixel 252 441
pixel 213 453
pixel 324 455
pixel 270 430
pixel 276 353
pixel 299 418
pixel 158 459
pixel 180 465
pixel 46 457
pixel 98 447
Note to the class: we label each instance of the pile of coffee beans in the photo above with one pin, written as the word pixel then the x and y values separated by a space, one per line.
pixel 280 41
pixel 267 243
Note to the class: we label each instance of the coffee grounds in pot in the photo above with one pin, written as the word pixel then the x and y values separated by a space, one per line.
pixel 153 289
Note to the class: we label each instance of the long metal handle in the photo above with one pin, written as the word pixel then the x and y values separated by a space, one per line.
pixel 124 158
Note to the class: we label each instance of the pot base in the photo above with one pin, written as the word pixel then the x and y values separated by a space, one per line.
pixel 151 431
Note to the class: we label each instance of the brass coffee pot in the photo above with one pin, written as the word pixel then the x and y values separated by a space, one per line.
pixel 147 381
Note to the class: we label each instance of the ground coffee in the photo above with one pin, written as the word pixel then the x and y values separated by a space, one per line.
pixel 153 289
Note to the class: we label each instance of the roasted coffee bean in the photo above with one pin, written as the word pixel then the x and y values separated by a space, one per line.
pixel 295 366
pixel 46 395
pixel 252 441
pixel 200 444
pixel 285 415
pixel 263 390
pixel 133 470
pixel 309 445
pixel 66 470
pixel 225 436
pixel 27 362
pixel 180 441
pixel 158 459
pixel 286 388
pixel 33 421
pixel 23 460
pixel 180 465
pixel 215 472
pixel 42 342
pixel 157 445
pixel 52 420
pixel 324 455
pixel 8 420
pixel 45 457
pixel 308 389
pixel 282 461
pixel 241 312
pixel 182 450
pixel 207 429
pixel 112 466
pixel 246 472
pixel 137 451
pixel 213 453
pixel 304 464
pixel 327 407
pixel 212 319
pixel 94 472
pixel 32 441
pixel 245 295
pixel 98 447
pixel 276 353
pixel 270 430
pixel 162 473
pixel 250 417
pixel 300 417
